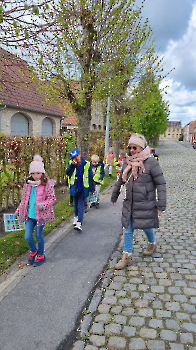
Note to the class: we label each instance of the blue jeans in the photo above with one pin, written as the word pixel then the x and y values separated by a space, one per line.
pixel 128 237
pixel 79 205
pixel 30 224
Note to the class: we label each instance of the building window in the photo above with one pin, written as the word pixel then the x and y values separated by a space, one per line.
pixel 169 130
pixel 173 129
pixel 177 129
pixel 93 126
pixel 172 135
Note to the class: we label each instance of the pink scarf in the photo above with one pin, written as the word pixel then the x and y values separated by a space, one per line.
pixel 135 162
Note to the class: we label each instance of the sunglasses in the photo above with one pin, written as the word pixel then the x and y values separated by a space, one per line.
pixel 134 147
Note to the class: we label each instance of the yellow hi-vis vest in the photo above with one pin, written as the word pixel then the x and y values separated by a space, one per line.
pixel 85 176
pixel 96 177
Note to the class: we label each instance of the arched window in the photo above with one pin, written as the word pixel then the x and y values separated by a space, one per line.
pixel 93 126
pixel 46 127
pixel 99 127
pixel 19 124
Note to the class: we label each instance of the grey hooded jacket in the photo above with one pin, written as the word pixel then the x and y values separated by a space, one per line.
pixel 140 202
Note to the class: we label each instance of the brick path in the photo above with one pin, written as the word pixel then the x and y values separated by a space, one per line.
pixel 151 304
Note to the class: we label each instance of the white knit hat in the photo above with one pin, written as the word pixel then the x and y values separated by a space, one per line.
pixel 138 140
pixel 36 166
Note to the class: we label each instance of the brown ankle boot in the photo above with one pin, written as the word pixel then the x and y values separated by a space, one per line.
pixel 150 248
pixel 126 261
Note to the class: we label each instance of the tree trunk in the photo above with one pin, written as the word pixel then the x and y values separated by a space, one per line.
pixel 83 133
pixel 116 145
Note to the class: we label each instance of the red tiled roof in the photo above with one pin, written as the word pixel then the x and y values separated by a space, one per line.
pixel 16 93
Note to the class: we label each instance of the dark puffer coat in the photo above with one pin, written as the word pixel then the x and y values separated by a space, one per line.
pixel 140 202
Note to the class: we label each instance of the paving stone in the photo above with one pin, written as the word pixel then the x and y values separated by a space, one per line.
pixel 91 347
pixel 109 293
pixel 189 291
pixel 141 302
pixel 154 323
pixel 133 273
pixel 97 340
pixel 128 311
pixel 148 333
pixel 103 318
pixel 116 310
pixel 121 293
pixel 97 328
pixel 104 308
pixel 120 319
pixel 150 296
pixel 165 297
pixel 163 313
pixel 124 301
pixel 168 335
pixel 190 327
pixel 115 285
pixel 180 297
pixel 135 295
pixel 182 316
pixel 188 307
pixel 136 280
pixel 165 282
pixel 146 312
pixel 156 345
pixel 157 304
pixel 148 274
pixel 112 328
pixel 143 287
pixel 172 306
pixel 157 289
pixel 172 324
pixel 109 300
pixel 120 279
pixel 193 300
pixel 174 290
pixel 175 346
pixel 186 338
pixel 175 276
pixel 137 344
pixel 129 286
pixel 150 281
pixel 117 343
pixel 137 321
pixel 129 331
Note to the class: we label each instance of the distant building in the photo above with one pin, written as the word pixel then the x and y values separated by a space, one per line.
pixel 189 131
pixel 173 132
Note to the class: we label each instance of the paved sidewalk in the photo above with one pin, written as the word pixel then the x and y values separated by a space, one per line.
pixel 151 304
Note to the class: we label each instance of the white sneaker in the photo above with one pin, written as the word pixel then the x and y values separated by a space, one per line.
pixel 75 220
pixel 78 226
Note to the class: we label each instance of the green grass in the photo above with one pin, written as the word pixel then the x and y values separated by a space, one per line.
pixel 13 245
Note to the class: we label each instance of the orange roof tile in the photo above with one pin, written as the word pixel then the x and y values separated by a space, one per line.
pixel 15 91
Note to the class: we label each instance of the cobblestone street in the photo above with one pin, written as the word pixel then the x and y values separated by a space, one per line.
pixel 151 304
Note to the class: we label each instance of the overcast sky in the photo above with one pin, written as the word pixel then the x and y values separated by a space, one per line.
pixel 174 27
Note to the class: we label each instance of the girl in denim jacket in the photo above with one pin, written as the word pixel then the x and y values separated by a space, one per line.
pixel 36 208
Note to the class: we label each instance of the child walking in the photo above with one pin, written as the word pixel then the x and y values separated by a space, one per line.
pixel 109 161
pixel 80 176
pixel 36 208
pixel 98 175
pixel 119 163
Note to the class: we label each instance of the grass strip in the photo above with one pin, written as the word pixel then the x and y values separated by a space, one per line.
pixel 13 245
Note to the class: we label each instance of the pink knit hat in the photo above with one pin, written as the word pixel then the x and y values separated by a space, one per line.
pixel 36 166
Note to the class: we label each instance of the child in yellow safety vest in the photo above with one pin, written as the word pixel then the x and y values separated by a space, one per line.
pixel 98 175
pixel 119 163
pixel 109 161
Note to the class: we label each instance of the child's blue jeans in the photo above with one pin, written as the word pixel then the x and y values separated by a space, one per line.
pixel 128 237
pixel 79 205
pixel 30 224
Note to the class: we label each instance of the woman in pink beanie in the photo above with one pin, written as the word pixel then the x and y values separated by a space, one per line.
pixel 36 208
